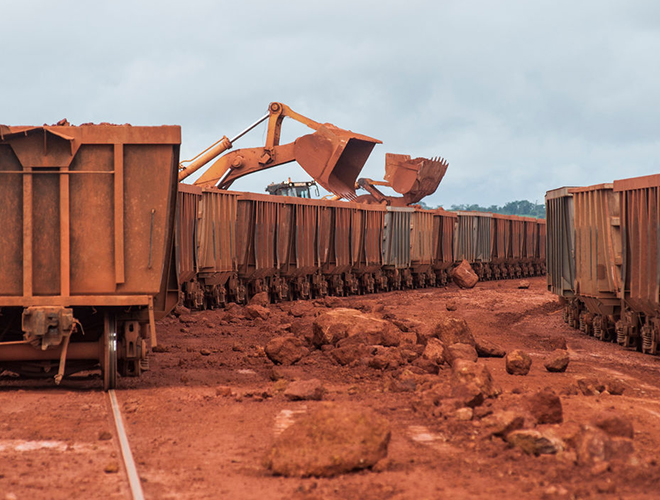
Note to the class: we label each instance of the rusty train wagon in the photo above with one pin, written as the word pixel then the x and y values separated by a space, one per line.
pixel 335 245
pixel 422 251
pixel 367 241
pixel 530 247
pixel 86 228
pixel 502 248
pixel 206 247
pixel 639 202
pixel 185 245
pixel 598 257
pixel 603 259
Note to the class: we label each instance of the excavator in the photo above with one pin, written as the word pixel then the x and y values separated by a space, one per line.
pixel 332 156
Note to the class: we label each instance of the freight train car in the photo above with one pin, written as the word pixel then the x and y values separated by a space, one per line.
pixel 597 258
pixel 503 250
pixel 603 259
pixel 638 266
pixel 473 241
pixel 444 232
pixel 86 227
pixel 421 248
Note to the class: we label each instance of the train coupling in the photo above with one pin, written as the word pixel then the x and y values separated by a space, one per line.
pixel 47 327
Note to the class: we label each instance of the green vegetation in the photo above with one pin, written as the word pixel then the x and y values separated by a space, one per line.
pixel 522 207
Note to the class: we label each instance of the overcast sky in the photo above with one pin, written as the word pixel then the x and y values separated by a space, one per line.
pixel 519 96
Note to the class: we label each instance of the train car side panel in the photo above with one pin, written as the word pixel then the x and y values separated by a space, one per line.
pixel 598 256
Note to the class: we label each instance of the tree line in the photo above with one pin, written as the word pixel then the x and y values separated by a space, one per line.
pixel 523 208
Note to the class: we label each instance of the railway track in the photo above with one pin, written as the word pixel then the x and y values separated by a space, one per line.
pixel 65 443
pixel 127 456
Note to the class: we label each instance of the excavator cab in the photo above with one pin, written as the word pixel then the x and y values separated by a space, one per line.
pixel 300 189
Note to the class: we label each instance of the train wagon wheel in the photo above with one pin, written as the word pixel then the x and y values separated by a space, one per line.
pixel 109 344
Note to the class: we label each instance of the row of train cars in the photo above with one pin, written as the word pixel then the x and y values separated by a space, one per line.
pixel 603 259
pixel 99 240
pixel 233 245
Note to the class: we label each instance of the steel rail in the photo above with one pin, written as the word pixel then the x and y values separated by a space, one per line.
pixel 129 463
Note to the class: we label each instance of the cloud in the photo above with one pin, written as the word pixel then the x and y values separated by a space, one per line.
pixel 519 96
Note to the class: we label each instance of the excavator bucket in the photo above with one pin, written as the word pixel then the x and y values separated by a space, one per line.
pixel 334 157
pixel 414 178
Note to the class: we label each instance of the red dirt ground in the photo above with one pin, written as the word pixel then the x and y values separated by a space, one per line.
pixel 190 441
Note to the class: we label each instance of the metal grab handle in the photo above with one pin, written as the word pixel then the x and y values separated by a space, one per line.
pixel 151 236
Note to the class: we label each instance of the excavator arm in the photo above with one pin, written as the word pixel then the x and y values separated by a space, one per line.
pixel 241 162
pixel 332 156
